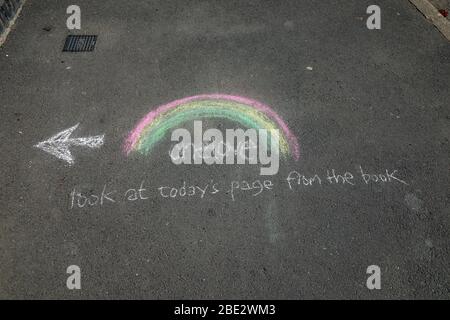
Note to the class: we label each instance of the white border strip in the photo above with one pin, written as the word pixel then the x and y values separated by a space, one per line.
pixel 432 14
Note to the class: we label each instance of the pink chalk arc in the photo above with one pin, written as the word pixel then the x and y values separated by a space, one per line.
pixel 163 112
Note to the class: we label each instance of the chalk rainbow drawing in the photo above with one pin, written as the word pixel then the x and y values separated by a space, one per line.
pixel 248 112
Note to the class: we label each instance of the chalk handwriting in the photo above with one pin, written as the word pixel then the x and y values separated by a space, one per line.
pixel 188 190
pixel 82 200
pixel 233 190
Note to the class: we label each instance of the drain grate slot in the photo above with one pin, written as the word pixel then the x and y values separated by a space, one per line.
pixel 76 43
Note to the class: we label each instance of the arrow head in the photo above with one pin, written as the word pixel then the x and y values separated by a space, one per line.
pixel 58 145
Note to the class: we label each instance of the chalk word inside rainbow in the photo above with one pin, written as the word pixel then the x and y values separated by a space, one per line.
pixel 210 148
pixel 247 112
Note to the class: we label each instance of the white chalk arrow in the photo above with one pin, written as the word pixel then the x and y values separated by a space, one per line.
pixel 59 144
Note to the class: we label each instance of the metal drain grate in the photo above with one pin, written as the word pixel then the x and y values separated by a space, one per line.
pixel 80 43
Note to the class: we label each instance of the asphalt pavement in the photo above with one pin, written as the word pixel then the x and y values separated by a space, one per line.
pixel 369 105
